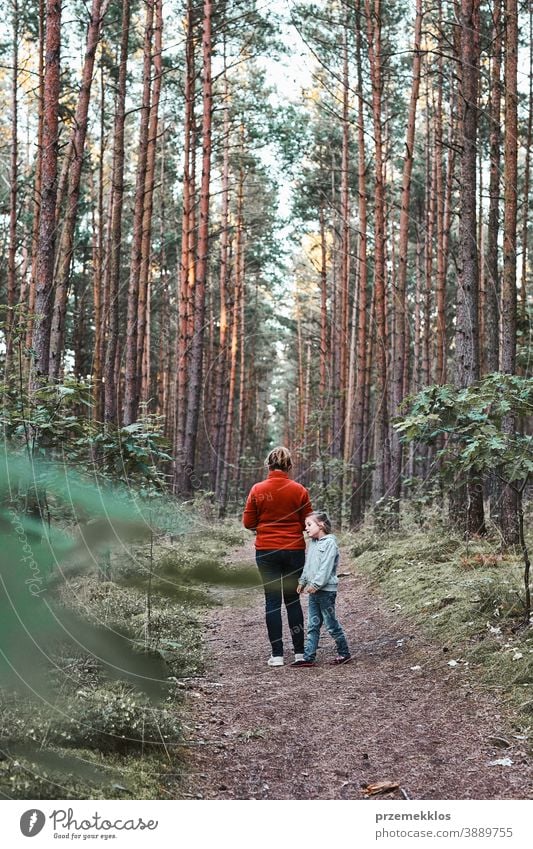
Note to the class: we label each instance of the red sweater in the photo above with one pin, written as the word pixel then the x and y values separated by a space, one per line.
pixel 276 508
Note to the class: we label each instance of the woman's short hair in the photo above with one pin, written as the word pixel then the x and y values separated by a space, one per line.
pixel 322 519
pixel 279 458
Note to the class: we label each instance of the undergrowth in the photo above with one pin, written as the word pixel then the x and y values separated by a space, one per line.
pixel 103 738
pixel 466 596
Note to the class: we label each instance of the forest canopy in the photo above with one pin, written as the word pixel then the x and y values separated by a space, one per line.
pixel 229 224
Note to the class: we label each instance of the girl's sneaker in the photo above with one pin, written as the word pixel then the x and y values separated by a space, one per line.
pixel 341 659
pixel 275 661
pixel 298 657
pixel 301 663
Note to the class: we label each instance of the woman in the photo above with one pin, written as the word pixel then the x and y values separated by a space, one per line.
pixel 276 510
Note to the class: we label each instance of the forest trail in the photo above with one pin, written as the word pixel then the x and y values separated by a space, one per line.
pixel 322 733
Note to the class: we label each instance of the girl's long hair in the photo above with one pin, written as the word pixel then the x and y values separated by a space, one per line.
pixel 322 519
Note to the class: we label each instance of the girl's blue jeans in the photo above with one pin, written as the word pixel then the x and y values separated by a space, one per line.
pixel 321 611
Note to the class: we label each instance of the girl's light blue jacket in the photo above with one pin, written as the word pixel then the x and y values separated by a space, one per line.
pixel 321 563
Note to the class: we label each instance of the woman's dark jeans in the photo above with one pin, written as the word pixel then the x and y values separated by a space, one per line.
pixel 280 571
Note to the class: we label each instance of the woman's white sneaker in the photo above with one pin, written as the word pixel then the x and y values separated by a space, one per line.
pixel 298 658
pixel 275 661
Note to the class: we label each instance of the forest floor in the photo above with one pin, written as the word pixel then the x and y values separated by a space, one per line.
pixel 398 713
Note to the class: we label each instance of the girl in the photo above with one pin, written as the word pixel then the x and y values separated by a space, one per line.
pixel 320 580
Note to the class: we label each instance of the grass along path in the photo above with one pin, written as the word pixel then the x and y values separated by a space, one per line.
pixel 398 713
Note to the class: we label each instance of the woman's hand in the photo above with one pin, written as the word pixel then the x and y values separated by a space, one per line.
pixel 300 589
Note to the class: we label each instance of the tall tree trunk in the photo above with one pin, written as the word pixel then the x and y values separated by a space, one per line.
pixel 491 270
pixel 242 371
pixel 13 198
pixel 492 276
pixel 322 431
pixel 428 259
pixel 300 367
pixel 345 247
pixel 400 281
pixel 143 354
pixel 416 377
pixel 527 176
pixel 44 279
pixel 100 270
pixel 131 389
pixel 347 483
pixel 38 181
pixel 381 384
pixel 448 218
pixel 440 376
pixel 80 330
pixel 111 377
pixel 26 242
pixel 188 262
pixel 334 443
pixel 238 282
pixel 197 344
pixel 509 511
pixel 223 287
pixel 466 333
pixel 508 353
pixel 357 506
pixel 165 328
pixel 66 245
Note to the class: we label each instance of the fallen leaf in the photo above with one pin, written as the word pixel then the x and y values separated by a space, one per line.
pixel 379 787
pixel 501 762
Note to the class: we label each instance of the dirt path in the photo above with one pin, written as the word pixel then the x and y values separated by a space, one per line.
pixel 322 733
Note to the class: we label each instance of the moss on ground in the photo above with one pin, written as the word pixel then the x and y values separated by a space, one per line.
pixel 465 596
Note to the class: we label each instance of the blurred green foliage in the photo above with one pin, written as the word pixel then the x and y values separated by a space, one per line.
pixel 469 423
pixel 89 665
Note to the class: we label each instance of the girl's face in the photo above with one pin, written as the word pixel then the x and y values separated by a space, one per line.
pixel 313 528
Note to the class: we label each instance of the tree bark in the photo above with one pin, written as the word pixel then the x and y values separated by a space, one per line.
pixel 111 377
pixel 100 268
pixel 223 288
pixel 400 282
pixel 238 282
pixel 466 333
pixel 66 246
pixel 509 517
pixel 357 505
pixel 492 276
pixel 131 389
pixel 188 261
pixel 527 176
pixel 343 433
pixel 13 198
pixel 197 343
pixel 242 370
pixel 143 319
pixel 440 376
pixel 381 384
pixel 44 278
pixel 38 181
